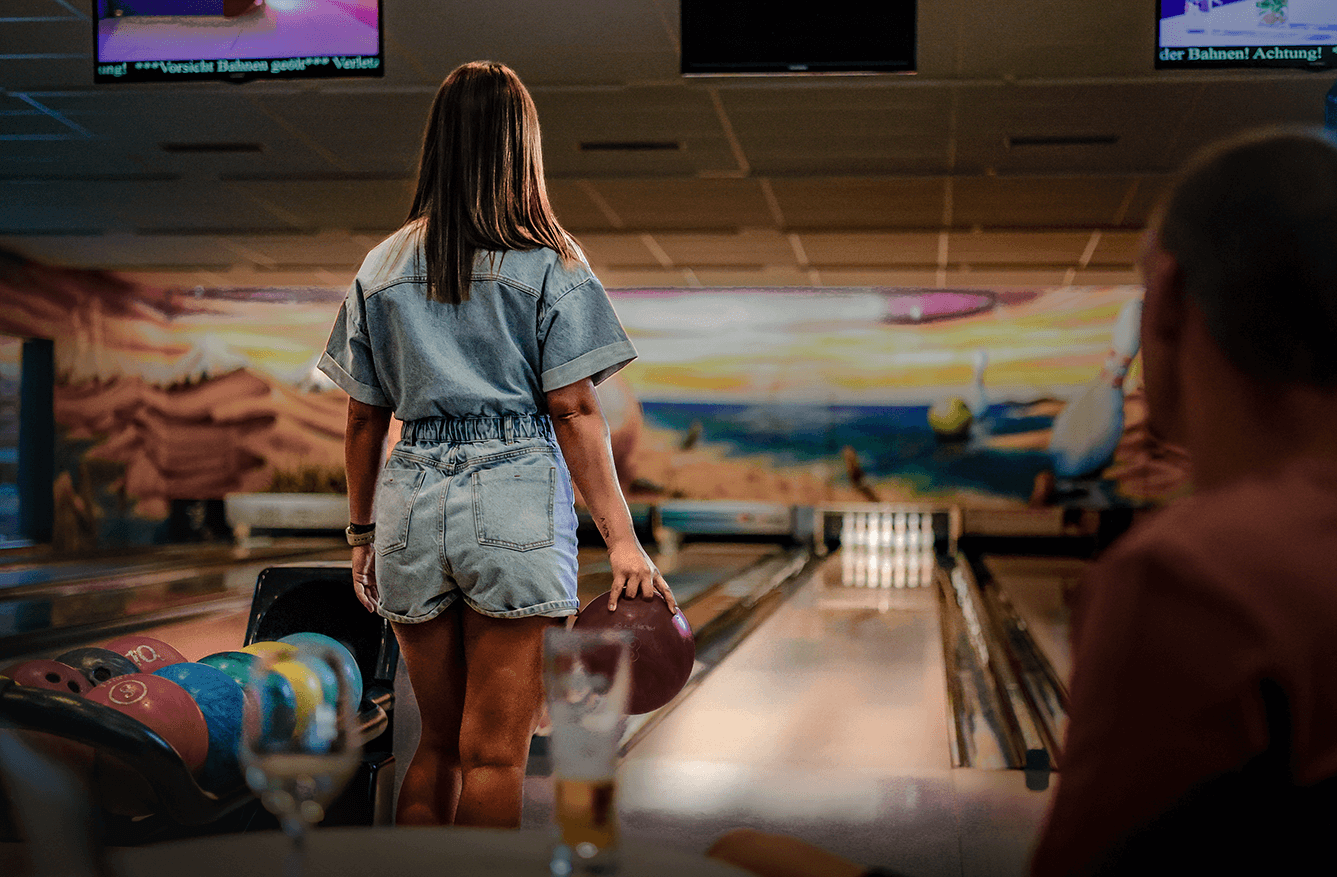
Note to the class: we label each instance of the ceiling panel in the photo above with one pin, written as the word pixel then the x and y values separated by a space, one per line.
pixel 41 207
pixel 576 207
pixel 1001 248
pixel 831 249
pixel 756 246
pixel 207 124
pixel 857 176
pixel 683 204
pixel 1054 38
pixel 47 35
pixel 1026 127
pixel 1053 202
pixel 363 205
pixel 678 116
pixel 121 250
pixel 860 203
pixel 358 131
pixel 644 278
pixel 609 41
pixel 330 249
pixel 34 9
pixel 1116 248
pixel 878 128
pixel 1237 104
pixel 608 250
pixel 769 275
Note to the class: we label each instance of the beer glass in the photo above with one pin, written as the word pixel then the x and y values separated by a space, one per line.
pixel 587 682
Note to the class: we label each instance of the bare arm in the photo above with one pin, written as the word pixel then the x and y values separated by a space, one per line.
pixel 364 452
pixel 582 434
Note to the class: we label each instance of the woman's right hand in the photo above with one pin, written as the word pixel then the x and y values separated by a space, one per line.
pixel 364 577
pixel 636 575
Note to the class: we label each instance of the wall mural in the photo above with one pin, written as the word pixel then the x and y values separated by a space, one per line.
pixel 979 397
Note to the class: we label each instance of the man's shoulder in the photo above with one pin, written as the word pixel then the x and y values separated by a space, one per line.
pixel 1230 539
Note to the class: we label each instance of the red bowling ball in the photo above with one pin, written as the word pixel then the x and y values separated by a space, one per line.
pixel 147 653
pixel 163 706
pixel 51 675
pixel 663 649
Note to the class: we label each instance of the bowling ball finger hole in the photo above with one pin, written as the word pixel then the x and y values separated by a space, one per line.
pixel 101 674
pixel 52 678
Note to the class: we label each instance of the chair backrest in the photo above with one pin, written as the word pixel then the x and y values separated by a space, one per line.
pixel 318 597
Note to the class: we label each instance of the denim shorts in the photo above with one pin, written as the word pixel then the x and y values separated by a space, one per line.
pixel 476 508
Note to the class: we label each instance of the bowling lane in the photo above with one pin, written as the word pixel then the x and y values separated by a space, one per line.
pixel 82 603
pixel 1041 591
pixel 690 571
pixel 831 721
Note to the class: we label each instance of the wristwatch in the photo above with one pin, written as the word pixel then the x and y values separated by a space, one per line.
pixel 360 534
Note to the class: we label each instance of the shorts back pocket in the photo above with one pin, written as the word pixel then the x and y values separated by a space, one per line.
pixel 396 493
pixel 513 503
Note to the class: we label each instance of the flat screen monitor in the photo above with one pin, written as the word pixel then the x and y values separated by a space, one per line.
pixel 1247 33
pixel 235 40
pixel 721 37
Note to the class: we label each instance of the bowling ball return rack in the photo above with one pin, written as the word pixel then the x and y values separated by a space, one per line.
pixel 287 599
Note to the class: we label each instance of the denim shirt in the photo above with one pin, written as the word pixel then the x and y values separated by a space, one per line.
pixel 530 325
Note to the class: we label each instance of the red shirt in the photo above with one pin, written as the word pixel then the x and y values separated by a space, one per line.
pixel 1178 630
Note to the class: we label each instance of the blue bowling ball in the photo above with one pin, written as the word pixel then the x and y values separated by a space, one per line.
pixel 343 656
pixel 279 701
pixel 220 699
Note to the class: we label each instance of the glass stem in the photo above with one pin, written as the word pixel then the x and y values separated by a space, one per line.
pixel 296 832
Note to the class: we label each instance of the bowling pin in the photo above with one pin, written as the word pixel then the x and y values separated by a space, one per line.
pixel 1087 430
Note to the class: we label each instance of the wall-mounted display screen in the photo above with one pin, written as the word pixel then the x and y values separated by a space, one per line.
pixel 1247 33
pixel 761 36
pixel 235 40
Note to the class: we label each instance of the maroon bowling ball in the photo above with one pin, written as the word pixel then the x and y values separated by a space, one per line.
pixel 662 650
pixel 165 707
pixel 148 654
pixel 51 675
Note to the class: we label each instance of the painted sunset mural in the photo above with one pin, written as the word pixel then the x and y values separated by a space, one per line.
pixel 790 395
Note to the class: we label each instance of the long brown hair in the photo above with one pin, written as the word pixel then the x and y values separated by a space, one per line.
pixel 480 178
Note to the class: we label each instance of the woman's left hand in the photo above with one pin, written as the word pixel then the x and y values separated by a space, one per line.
pixel 364 577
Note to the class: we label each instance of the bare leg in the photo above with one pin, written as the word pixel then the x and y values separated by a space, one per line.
pixel 434 655
pixel 504 663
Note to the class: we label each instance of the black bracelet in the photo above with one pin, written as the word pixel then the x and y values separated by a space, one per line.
pixel 359 529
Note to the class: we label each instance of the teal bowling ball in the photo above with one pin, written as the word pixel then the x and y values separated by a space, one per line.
pixel 222 702
pixel 278 700
pixel 347 664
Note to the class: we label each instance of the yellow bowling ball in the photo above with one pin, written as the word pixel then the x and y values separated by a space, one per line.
pixel 950 418
pixel 307 687
pixel 273 651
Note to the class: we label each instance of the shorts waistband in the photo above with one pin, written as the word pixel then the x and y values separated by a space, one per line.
pixel 478 429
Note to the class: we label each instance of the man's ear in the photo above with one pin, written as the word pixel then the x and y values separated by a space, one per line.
pixel 1163 306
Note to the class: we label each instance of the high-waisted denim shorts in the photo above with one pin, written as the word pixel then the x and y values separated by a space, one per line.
pixel 477 508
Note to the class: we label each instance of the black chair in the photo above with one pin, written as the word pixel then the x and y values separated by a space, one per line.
pixel 319 598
